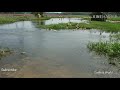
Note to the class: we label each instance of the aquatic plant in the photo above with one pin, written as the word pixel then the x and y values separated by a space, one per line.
pixel 109 49
pixel 4 52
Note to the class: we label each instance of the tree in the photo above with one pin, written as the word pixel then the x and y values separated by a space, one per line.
pixel 37 14
pixel 42 14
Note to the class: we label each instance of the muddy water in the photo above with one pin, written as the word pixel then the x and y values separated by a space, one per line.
pixel 52 54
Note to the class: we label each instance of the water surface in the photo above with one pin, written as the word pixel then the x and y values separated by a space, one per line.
pixel 52 53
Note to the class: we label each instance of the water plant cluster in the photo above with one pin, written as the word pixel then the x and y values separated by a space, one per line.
pixel 4 52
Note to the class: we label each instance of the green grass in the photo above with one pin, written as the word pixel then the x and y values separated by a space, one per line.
pixel 12 19
pixel 107 26
pixel 4 20
pixel 114 18
pixel 115 37
pixel 70 16
pixel 109 49
pixel 42 18
pixel 59 26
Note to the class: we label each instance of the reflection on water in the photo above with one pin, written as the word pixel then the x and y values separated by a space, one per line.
pixel 61 20
pixel 41 22
pixel 51 54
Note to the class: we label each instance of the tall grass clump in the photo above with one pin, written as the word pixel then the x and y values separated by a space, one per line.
pixel 109 49
pixel 7 19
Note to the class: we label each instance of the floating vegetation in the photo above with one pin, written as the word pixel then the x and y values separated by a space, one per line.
pixel 4 52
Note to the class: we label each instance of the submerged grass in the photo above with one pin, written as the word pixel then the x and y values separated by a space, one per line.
pixel 109 49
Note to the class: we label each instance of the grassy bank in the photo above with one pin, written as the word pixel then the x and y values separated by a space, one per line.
pixel 107 26
pixel 68 16
pixel 42 18
pixel 11 19
pixel 114 18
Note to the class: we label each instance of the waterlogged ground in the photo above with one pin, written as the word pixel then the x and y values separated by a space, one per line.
pixel 52 54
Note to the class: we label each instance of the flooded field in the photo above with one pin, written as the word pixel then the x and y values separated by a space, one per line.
pixel 40 53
